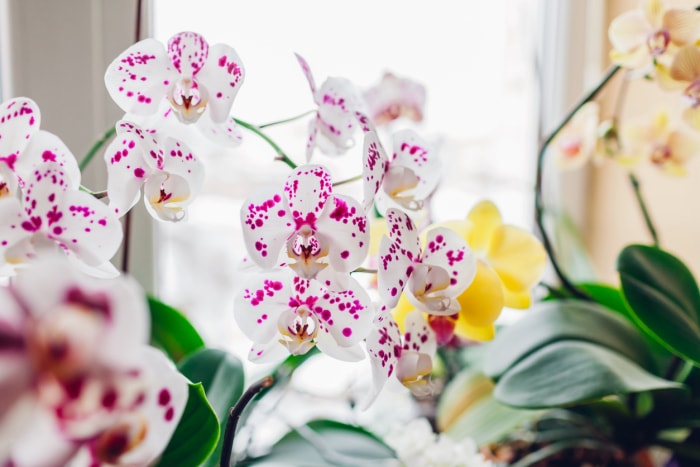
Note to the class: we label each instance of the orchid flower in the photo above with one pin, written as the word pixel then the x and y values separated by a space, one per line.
pixel 432 277
pixel 406 180
pixel 334 124
pixel 644 36
pixel 510 262
pixel 408 356
pixel 573 146
pixel 284 314
pixel 198 82
pixel 394 98
pixel 318 228
pixel 667 147
pixel 170 175
pixel 686 68
pixel 52 214
pixel 74 362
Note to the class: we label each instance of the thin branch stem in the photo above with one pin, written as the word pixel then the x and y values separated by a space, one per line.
pixel 643 206
pixel 367 270
pixel 539 203
pixel 234 415
pixel 348 180
pixel 281 156
pixel 96 194
pixel 96 147
pixel 286 120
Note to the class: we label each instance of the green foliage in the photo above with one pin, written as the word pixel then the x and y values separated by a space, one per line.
pixel 325 442
pixel 197 433
pixel 663 297
pixel 172 332
pixel 221 375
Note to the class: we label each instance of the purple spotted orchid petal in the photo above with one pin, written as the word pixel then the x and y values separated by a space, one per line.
pixel 223 75
pixel 337 102
pixel 179 160
pixel 384 349
pixel 12 234
pixel 267 224
pixel 397 255
pixel 227 134
pixel 138 80
pixel 47 147
pixel 419 348
pixel 258 306
pixel 188 52
pixel 307 73
pixel 307 190
pixel 127 168
pixel 394 98
pixel 312 137
pixel 19 121
pixel 414 153
pixel 375 164
pixel 343 227
pixel 269 352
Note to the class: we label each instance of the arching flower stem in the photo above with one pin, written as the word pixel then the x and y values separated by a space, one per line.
pixel 286 120
pixel 109 134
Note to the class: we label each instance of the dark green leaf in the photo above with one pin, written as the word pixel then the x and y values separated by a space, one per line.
pixel 664 298
pixel 557 320
pixel 569 372
pixel 197 433
pixel 323 443
pixel 222 376
pixel 172 332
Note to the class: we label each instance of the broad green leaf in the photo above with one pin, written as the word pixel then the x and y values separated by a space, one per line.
pixel 664 298
pixel 556 320
pixel 172 332
pixel 197 433
pixel 222 376
pixel 570 372
pixel 325 442
pixel 607 295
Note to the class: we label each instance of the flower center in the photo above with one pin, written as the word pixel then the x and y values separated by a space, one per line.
pixel 428 285
pixel 692 94
pixel 571 146
pixel 187 100
pixel 305 248
pixel 658 41
pixel 660 154
pixel 299 328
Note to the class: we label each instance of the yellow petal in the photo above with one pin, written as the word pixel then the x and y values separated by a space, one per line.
pixel 653 12
pixel 663 77
pixel 692 117
pixel 517 256
pixel 634 58
pixel 482 302
pixel 475 333
pixel 686 65
pixel 682 25
pixel 519 299
pixel 674 169
pixel 485 218
pixel 403 308
pixel 629 31
pixel 377 229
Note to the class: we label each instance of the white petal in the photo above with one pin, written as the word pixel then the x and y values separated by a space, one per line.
pixel 374 163
pixel 266 226
pixel 343 227
pixel 222 76
pixel 396 256
pixel 384 349
pixel 260 303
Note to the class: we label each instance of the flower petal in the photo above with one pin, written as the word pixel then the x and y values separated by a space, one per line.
pixel 127 170
pixel 167 196
pixel 188 52
pixel 692 117
pixel 343 226
pixel 483 300
pixel 227 133
pixel 266 226
pixel 686 64
pixel 475 333
pixel 683 25
pixel 374 166
pixel 447 250
pixel 397 254
pixel 307 190
pixel 345 316
pixel 517 256
pixel 485 218
pixel 411 151
pixel 384 349
pixel 46 147
pixel 19 121
pixel 139 79
pixel 629 30
pixel 259 304
pixel 337 102
pixel 222 75
pixel 307 72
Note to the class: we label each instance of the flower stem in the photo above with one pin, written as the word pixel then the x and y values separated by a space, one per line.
pixel 96 147
pixel 645 212
pixel 281 156
pixel 96 194
pixel 234 416
pixel 367 270
pixel 348 180
pixel 539 203
pixel 286 120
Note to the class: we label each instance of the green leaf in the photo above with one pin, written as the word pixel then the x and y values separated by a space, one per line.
pixel 222 376
pixel 663 297
pixel 197 433
pixel 325 442
pixel 608 296
pixel 556 320
pixel 172 332
pixel 569 372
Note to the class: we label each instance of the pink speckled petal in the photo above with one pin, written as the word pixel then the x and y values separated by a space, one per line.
pixel 12 235
pixel 178 159
pixel 418 336
pixel 384 349
pixel 343 227
pixel 188 52
pixel 46 147
pixel 127 171
pixel 312 137
pixel 19 121
pixel 259 304
pixel 397 255
pixel 337 102
pixel 448 250
pixel 222 75
pixel 227 134
pixel 307 72
pixel 307 190
pixel 266 224
pixel 413 152
pixel 269 352
pixel 162 409
pixel 375 163
pixel 138 80
pixel 345 317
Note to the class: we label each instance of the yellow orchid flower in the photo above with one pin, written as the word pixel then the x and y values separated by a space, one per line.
pixel 648 36
pixel 659 142
pixel 573 145
pixel 686 68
